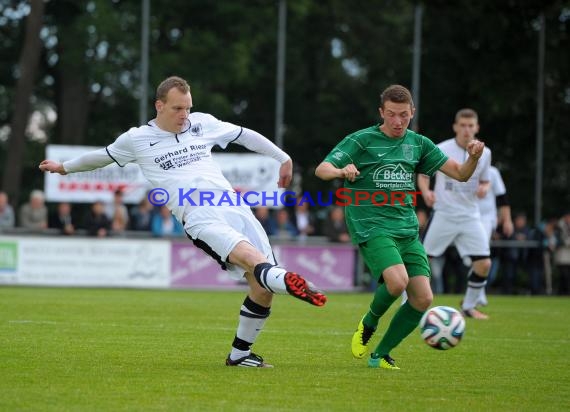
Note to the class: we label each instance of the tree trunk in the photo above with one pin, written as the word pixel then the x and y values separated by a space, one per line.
pixel 73 107
pixel 28 66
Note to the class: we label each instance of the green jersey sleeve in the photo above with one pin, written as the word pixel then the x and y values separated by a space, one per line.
pixel 345 152
pixel 432 158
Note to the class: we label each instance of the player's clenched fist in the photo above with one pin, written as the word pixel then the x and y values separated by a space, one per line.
pixel 52 167
pixel 350 172
pixel 475 148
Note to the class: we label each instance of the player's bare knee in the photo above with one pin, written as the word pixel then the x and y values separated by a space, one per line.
pixel 396 286
pixel 482 266
pixel 246 256
pixel 423 302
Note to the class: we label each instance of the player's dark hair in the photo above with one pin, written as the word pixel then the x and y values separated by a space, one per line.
pixel 466 113
pixel 397 94
pixel 170 83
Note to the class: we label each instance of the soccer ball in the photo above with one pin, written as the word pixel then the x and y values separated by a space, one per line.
pixel 442 327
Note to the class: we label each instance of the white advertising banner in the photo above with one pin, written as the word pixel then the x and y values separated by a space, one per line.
pixel 245 171
pixel 85 262
pixel 249 171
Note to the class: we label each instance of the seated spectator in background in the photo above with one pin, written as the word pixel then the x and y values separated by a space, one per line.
pixel 263 215
pixel 141 215
pixel 304 219
pixel 285 230
pixel 562 254
pixel 7 219
pixel 97 222
pixel 118 213
pixel 164 223
pixel 535 261
pixel 34 214
pixel 335 227
pixel 61 219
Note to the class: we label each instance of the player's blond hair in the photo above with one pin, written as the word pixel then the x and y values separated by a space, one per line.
pixel 170 83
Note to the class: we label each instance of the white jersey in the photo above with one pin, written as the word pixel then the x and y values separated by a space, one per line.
pixel 178 162
pixel 488 204
pixel 186 178
pixel 456 198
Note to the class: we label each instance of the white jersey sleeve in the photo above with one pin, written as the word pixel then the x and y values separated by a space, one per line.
pixel 256 142
pixel 121 150
pixel 497 185
pixel 484 176
pixel 487 205
pixel 88 161
pixel 223 132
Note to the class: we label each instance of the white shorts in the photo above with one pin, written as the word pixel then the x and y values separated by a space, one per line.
pixel 218 229
pixel 467 234
pixel 489 224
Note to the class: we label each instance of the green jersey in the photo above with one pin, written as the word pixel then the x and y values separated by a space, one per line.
pixel 382 199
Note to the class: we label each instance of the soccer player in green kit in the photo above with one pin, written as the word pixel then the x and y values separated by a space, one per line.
pixel 379 163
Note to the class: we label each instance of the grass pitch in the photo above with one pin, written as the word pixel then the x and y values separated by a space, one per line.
pixel 155 350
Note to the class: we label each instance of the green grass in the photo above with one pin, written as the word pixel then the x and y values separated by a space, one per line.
pixel 138 350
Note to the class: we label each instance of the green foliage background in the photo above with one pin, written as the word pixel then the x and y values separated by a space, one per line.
pixel 340 55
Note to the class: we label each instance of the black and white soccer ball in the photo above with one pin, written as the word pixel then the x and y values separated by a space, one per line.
pixel 442 327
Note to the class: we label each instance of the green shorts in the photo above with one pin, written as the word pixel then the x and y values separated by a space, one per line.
pixel 382 252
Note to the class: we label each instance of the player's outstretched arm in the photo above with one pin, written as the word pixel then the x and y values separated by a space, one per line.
pixel 327 171
pixel 85 162
pixel 258 143
pixel 463 172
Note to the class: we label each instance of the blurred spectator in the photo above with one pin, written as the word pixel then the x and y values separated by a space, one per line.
pixel 61 219
pixel 285 230
pixel 97 222
pixel 165 224
pixel 515 256
pixel 141 215
pixel 34 214
pixel 118 213
pixel 562 254
pixel 335 227
pixel 535 261
pixel 304 220
pixel 495 256
pixel 7 219
pixel 263 215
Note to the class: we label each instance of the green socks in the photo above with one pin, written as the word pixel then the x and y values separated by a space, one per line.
pixel 403 323
pixel 380 304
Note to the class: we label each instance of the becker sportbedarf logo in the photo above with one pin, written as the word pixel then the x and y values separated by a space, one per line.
pixel 392 176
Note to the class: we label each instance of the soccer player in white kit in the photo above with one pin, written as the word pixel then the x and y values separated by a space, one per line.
pixel 174 153
pixel 492 196
pixel 456 218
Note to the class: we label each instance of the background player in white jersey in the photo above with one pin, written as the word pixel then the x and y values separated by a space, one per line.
pixel 174 153
pixel 456 218
pixel 492 196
